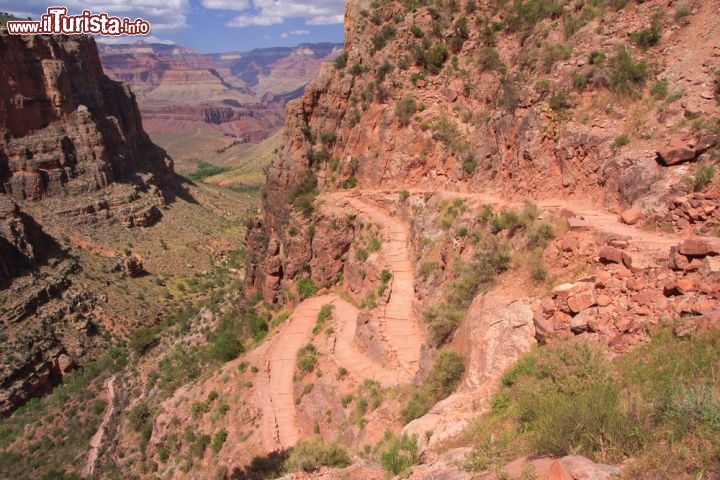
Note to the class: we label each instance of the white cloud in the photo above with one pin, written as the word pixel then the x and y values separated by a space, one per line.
pixel 125 39
pixel 226 4
pixel 247 20
pixel 166 16
pixel 295 33
pixel 262 12
pixel 325 20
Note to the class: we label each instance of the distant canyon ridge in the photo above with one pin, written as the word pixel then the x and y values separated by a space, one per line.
pixel 193 104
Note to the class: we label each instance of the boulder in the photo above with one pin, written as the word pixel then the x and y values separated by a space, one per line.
pixel 609 254
pixel 677 261
pixel 705 143
pixel 603 300
pixel 129 266
pixel 679 286
pixel 582 300
pixel 580 468
pixel 632 216
pixel 675 153
pixel 700 247
pixel 581 323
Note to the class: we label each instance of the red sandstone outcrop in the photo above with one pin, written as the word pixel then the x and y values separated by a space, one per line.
pixel 73 153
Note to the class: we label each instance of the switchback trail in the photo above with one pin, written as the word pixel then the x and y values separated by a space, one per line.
pixel 399 326
pixel 399 331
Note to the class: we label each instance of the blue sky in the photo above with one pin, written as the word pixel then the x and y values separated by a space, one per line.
pixel 211 26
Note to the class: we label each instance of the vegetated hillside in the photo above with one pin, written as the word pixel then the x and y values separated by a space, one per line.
pixel 194 104
pixel 547 170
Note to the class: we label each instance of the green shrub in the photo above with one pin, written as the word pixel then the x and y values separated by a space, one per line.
pixel 405 109
pixel 427 268
pixel 374 244
pixel 489 59
pixel 435 58
pixel 302 195
pixel 649 37
pixel 417 31
pixel 659 89
pixel 205 169
pixel 523 15
pixel 469 163
pixel 322 317
pixel 440 383
pixel 446 131
pixel 307 358
pixel 596 57
pixel 627 75
pixel 341 61
pixel 383 36
pixel 553 52
pixel 681 12
pixel 558 101
pixel 491 258
pixel 312 453
pixel 621 140
pixel 328 138
pixel 398 454
pixel 361 254
pixel 704 175
pixel 306 288
pixel 539 235
pixel 144 339
pixel 219 440
pixel 225 344
pixel 198 409
pixel 350 183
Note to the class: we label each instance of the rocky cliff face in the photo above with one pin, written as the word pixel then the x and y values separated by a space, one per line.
pixel 73 153
pixel 478 99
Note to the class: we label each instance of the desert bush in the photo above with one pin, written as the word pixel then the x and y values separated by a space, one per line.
pixel 405 109
pixel 523 15
pixel 341 61
pixel 435 58
pixel 659 89
pixel 649 37
pixel 312 453
pixel 627 75
pixel 489 59
pixel 218 440
pixel 552 52
pixel 205 169
pixel 558 101
pixel 596 57
pixel 307 358
pixel 621 140
pixel 398 454
pixel 446 131
pixel 681 12
pixel 306 288
pixel 143 339
pixel 383 36
pixel 441 382
pixel 704 175
pixel 302 195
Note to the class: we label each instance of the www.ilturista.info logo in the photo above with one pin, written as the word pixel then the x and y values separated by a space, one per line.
pixel 57 21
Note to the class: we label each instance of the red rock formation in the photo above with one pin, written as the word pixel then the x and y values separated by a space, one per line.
pixel 72 152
